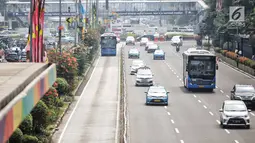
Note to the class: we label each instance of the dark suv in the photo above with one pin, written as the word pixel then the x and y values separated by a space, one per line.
pixel 246 93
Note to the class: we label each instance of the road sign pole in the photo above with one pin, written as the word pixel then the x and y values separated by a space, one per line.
pixel 76 23
pixel 60 27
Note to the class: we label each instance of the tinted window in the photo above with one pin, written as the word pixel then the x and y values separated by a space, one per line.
pixel 157 90
pixel 108 42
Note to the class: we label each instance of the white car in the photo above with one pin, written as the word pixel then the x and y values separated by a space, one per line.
pixel 144 77
pixel 130 40
pixel 234 113
pixel 144 41
pixel 152 48
pixel 148 44
pixel 134 53
pixel 136 64
pixel 176 40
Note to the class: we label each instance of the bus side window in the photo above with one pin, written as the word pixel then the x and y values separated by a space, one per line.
pixel 186 67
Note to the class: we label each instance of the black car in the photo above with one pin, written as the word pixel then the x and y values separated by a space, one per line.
pixel 12 57
pixel 246 93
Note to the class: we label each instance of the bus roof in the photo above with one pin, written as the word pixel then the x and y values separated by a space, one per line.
pixel 108 34
pixel 195 51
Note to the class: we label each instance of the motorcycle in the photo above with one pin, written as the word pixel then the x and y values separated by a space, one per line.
pixel 177 48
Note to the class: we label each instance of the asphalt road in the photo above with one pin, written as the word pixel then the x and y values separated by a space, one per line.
pixel 93 119
pixel 190 117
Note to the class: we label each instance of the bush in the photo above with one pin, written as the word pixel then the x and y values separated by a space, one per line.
pixel 50 97
pixel 16 136
pixel 91 38
pixel 81 60
pixel 27 125
pixel 40 114
pixel 66 65
pixel 42 139
pixel 29 139
pixel 231 55
pixel 62 86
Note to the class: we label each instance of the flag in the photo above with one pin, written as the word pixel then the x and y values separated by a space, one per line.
pixel 41 25
pixel 36 23
pixel 34 32
pixel 82 10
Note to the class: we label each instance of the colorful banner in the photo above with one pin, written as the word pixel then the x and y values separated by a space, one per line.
pixel 23 106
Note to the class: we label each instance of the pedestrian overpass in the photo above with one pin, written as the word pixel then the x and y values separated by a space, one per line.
pixel 19 9
pixel 22 85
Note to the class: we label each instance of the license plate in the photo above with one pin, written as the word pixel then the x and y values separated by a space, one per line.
pixel 237 121
pixel 156 100
pixel 144 80
pixel 200 86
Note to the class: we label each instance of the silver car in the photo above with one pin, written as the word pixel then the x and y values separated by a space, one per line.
pixel 144 77
pixel 135 65
pixel 234 113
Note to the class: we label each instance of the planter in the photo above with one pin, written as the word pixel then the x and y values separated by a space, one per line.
pixel 251 71
pixel 231 62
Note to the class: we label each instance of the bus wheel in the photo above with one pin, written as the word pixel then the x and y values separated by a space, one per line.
pixel 210 90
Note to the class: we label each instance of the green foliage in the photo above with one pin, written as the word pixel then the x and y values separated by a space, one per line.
pixel 91 38
pixel 42 139
pixel 16 136
pixel 27 125
pixel 30 139
pixel 81 59
pixel 183 20
pixel 50 97
pixel 62 85
pixel 40 113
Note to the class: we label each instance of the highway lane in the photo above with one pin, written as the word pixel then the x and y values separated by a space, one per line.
pixel 184 114
pixel 148 124
pixel 94 116
pixel 226 78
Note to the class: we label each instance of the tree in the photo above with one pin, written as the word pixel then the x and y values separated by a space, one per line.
pixel 16 136
pixel 27 125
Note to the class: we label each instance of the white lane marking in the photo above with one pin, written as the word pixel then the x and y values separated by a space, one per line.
pixel 221 91
pixel 227 96
pixel 174 72
pixel 218 121
pixel 77 103
pixel 182 82
pixel 236 141
pixel 181 141
pixel 195 96
pixel 205 107
pixel 172 121
pixel 199 101
pixel 176 130
pixel 168 113
pixel 216 86
pixel 211 113
pixel 227 131
pixel 177 76
pixel 180 79
pixel 252 114
pixel 165 107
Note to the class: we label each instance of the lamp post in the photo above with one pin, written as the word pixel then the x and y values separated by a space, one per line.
pixel 60 27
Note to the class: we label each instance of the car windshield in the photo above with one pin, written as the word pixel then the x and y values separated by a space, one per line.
pixel 133 51
pixel 245 90
pixel 144 73
pixel 157 90
pixel 144 39
pixel 234 108
pixel 130 38
pixel 159 52
pixel 108 42
pixel 153 46
pixel 201 69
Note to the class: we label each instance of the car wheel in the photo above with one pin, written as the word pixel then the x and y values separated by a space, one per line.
pixel 166 104
pixel 136 84
pixel 221 124
pixel 247 126
pixel 163 58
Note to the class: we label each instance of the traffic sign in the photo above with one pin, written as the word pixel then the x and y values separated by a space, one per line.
pixel 236 13
pixel 69 20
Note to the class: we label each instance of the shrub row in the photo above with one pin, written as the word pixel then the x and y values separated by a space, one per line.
pixel 243 60
pixel 37 126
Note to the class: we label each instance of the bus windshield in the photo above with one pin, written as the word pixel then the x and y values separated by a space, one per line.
pixel 201 69
pixel 108 42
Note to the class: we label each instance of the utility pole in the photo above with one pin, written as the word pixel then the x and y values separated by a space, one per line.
pixel 97 3
pixel 31 31
pixel 87 7
pixel 76 23
pixel 60 26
